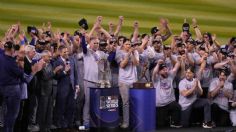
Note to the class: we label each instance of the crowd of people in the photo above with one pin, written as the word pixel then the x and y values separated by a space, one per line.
pixel 45 78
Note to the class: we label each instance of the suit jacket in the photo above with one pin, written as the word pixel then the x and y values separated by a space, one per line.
pixel 45 80
pixel 63 79
pixel 31 86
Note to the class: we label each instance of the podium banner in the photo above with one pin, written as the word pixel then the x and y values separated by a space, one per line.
pixel 104 108
pixel 142 109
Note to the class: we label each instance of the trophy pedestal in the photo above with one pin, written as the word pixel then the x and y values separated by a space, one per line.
pixel 142 108
pixel 104 108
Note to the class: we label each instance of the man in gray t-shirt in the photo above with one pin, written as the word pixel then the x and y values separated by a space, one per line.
pixel 189 88
pixel 165 97
pixel 221 91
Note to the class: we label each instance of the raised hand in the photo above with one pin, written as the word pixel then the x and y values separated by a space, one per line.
pixel 136 24
pixel 221 84
pixel 194 22
pixel 121 19
pixel 213 37
pixel 163 22
pixel 49 25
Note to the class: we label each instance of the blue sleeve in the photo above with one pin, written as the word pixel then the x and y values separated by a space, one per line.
pixel 1 51
pixel 28 78
pixel 32 42
pixel 25 39
pixel 84 45
pixel 112 56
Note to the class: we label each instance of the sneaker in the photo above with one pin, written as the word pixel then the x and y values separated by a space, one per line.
pixel 175 125
pixel 207 125
pixel 84 127
pixel 33 128
pixel 53 127
pixel 1 124
pixel 124 125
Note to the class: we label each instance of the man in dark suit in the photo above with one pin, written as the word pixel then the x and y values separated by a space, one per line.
pixel 45 84
pixel 30 105
pixel 67 89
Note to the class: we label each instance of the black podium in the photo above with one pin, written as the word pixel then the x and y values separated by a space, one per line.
pixel 104 109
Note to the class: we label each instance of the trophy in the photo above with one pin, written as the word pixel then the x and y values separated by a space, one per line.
pixel 104 74
pixel 143 81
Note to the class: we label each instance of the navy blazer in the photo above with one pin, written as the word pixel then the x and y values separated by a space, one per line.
pixel 64 79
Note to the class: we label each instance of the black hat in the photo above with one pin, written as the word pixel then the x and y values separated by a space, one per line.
pixel 32 29
pixel 42 42
pixel 179 44
pixel 191 41
pixel 225 70
pixel 158 41
pixel 185 27
pixel 17 47
pixel 112 40
pixel 48 33
pixel 154 30
pixel 199 42
pixel 162 66
pixel 83 23
pixel 233 40
pixel 102 43
pixel 77 33
pixel 223 51
pixel 166 47
pixel 202 48
pixel 190 68
pixel 178 41
pixel 8 45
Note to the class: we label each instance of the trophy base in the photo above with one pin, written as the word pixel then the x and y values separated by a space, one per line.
pixel 104 84
pixel 143 85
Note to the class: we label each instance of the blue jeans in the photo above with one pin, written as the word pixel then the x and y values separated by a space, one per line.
pixel 12 97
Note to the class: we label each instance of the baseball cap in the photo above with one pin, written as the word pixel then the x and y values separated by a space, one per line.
pixel 162 66
pixel 83 23
pixel 154 30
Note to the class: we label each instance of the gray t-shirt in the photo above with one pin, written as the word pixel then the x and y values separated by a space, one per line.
pixel 220 99
pixel 164 89
pixel 91 60
pixel 185 102
pixel 128 74
pixel 207 74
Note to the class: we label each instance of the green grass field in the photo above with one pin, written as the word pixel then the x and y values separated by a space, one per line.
pixel 215 16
